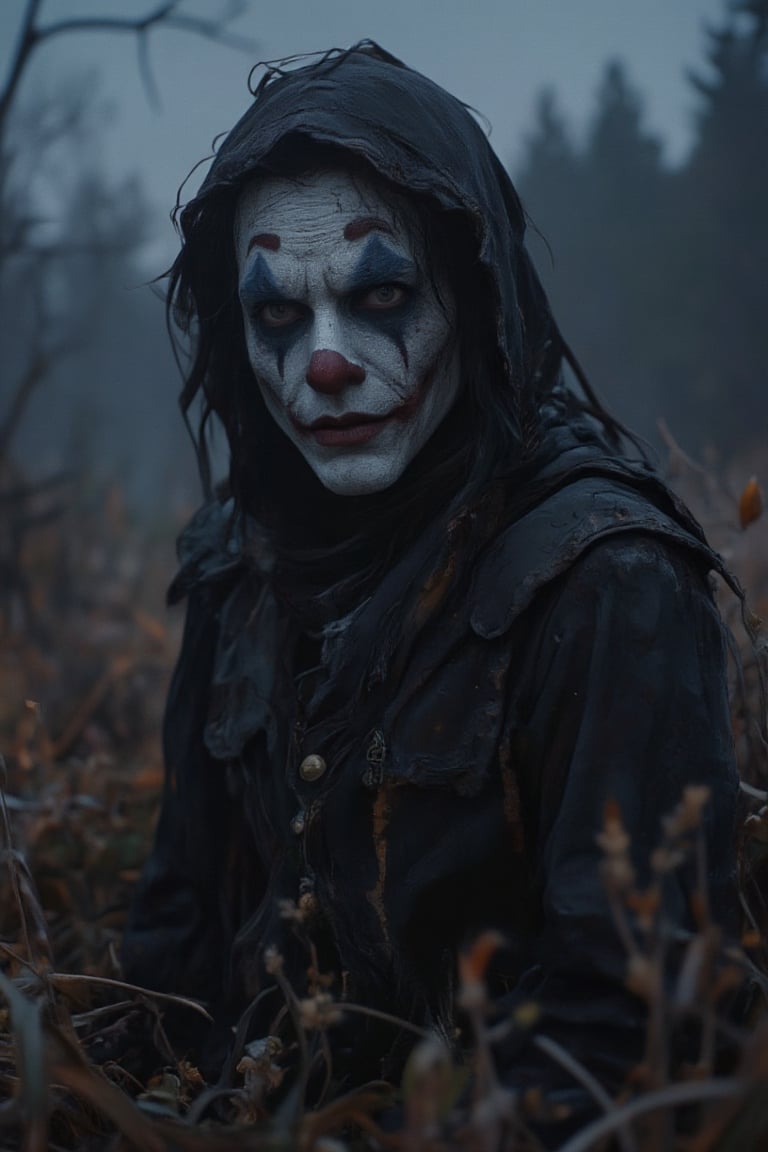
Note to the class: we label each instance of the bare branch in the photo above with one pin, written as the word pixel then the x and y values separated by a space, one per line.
pixel 673 1096
pixel 25 46
pixel 36 370
pixel 22 493
pixel 145 69
pixel 675 450
pixel 165 15
pixel 108 23
pixel 584 1077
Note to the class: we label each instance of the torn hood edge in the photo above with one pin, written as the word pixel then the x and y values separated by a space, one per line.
pixel 421 139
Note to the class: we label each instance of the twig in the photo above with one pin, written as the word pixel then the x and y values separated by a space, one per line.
pixel 292 1004
pixel 24 48
pixel 670 1097
pixel 108 1100
pixel 229 1067
pixel 35 372
pixel 676 451
pixel 164 15
pixel 756 793
pixel 82 1018
pixel 17 958
pixel 353 1108
pixel 116 671
pixel 41 955
pixel 377 1014
pixel 584 1077
pixel 8 839
pixel 62 979
pixel 26 1018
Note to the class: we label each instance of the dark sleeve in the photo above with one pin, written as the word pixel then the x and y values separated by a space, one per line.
pixel 177 931
pixel 626 701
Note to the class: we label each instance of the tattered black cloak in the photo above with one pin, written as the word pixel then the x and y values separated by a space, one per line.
pixel 545 643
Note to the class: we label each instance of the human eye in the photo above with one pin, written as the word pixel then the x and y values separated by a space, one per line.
pixel 382 297
pixel 279 313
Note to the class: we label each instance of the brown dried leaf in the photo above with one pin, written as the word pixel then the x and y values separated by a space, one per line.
pixel 751 503
pixel 164 1089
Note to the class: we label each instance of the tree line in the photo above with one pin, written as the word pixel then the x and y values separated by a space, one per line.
pixel 659 274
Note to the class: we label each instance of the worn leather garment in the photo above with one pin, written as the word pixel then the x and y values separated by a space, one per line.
pixel 392 763
pixel 457 783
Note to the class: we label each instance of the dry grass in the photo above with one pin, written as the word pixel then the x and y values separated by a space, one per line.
pixel 84 665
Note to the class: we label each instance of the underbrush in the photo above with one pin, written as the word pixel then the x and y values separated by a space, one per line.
pixel 85 1062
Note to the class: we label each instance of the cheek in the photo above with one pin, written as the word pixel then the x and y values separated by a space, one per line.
pixel 275 365
pixel 402 350
pixel 425 340
pixel 383 355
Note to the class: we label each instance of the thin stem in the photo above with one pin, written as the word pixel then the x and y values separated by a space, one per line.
pixel 584 1077
pixel 377 1014
pixel 26 43
pixel 673 1096
pixel 292 1004
pixel 12 864
pixel 61 979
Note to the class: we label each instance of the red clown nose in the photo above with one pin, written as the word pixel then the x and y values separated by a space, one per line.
pixel 330 372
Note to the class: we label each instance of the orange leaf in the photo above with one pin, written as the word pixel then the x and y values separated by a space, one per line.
pixel 645 903
pixel 750 503
pixel 611 813
pixel 473 963
pixel 147 779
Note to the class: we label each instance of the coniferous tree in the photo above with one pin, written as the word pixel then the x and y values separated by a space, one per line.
pixel 721 199
pixel 117 391
pixel 659 275
pixel 107 409
pixel 551 163
pixel 597 207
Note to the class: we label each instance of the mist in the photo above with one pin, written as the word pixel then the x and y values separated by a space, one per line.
pixel 646 199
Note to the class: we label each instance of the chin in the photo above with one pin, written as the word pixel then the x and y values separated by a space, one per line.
pixel 359 479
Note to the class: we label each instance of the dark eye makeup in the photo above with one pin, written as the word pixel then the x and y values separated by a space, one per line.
pixel 381 297
pixel 280 313
pixel 283 313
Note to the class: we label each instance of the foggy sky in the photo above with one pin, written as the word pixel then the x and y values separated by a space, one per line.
pixel 494 54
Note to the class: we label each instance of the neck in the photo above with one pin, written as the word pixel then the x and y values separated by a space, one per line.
pixel 324 540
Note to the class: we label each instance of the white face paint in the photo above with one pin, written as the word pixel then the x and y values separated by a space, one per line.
pixel 349 333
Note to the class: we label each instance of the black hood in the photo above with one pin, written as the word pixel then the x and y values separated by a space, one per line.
pixel 418 137
pixel 427 144
pixel 514 413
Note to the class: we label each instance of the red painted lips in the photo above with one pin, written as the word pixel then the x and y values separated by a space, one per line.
pixel 343 431
pixel 359 427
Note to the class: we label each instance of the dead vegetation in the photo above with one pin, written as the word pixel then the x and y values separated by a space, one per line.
pixel 84 663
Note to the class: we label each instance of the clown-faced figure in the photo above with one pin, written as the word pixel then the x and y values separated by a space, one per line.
pixel 438 619
pixel 350 335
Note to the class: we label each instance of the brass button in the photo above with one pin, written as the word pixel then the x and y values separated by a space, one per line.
pixel 312 768
pixel 299 823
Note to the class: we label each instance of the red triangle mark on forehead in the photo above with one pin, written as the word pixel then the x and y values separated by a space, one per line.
pixel 266 240
pixel 365 224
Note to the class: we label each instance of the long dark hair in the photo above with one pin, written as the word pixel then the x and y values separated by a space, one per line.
pixel 494 429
